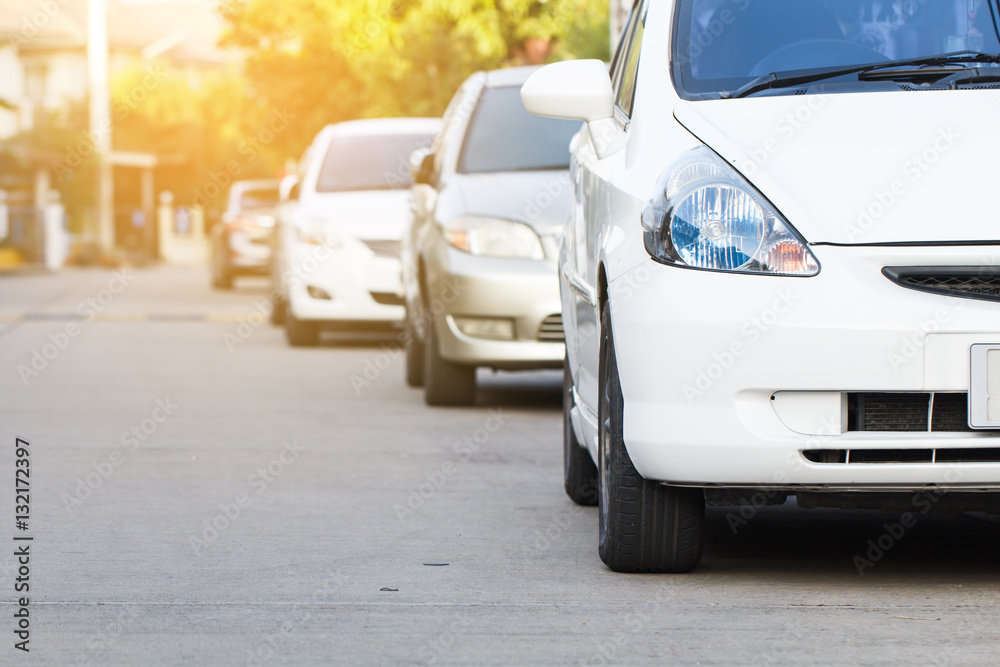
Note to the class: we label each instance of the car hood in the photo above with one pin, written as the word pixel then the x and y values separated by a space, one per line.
pixel 375 214
pixel 542 199
pixel 886 167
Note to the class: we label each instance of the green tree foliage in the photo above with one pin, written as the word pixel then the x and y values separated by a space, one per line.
pixel 309 63
pixel 297 63
pixel 204 134
pixel 330 61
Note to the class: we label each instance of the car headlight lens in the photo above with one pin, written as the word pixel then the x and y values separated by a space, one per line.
pixel 320 232
pixel 706 216
pixel 493 237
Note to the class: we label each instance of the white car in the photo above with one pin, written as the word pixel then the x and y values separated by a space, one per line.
pixel 337 258
pixel 782 273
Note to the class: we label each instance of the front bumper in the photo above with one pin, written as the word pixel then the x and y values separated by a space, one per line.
pixel 249 253
pixel 702 356
pixel 524 291
pixel 362 286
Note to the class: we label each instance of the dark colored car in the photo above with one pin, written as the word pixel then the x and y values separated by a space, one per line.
pixel 241 240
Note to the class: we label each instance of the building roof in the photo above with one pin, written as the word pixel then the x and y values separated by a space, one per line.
pixel 186 30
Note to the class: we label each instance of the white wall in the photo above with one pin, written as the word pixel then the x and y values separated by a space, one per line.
pixel 67 77
pixel 65 80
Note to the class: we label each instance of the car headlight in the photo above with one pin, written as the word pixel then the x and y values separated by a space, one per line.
pixel 706 216
pixel 493 237
pixel 319 232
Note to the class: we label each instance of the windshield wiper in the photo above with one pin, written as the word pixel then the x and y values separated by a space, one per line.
pixel 973 75
pixel 788 80
pixel 895 74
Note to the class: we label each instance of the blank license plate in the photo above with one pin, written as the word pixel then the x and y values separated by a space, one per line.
pixel 984 390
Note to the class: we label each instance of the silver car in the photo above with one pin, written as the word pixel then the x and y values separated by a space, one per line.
pixel 490 197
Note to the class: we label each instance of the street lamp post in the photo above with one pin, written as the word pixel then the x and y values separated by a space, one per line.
pixel 618 17
pixel 100 118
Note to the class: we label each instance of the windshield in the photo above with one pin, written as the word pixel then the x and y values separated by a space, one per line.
pixel 723 44
pixel 259 198
pixel 373 162
pixel 503 136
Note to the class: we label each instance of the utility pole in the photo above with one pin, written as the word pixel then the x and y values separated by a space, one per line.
pixel 619 10
pixel 100 118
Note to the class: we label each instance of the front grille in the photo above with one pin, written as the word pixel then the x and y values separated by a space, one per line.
pixel 551 330
pixel 890 456
pixel 968 282
pixel 388 298
pixel 951 413
pixel 383 248
pixel 908 412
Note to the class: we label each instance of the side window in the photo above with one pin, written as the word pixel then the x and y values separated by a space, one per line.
pixel 625 86
pixel 456 120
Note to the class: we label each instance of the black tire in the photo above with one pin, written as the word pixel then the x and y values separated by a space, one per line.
pixel 645 526
pixel 222 275
pixel 414 356
pixel 279 311
pixel 445 382
pixel 579 470
pixel 299 332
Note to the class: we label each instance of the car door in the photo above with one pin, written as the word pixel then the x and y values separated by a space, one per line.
pixel 595 198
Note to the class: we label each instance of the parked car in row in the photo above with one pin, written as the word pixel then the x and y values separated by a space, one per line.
pixel 337 252
pixel 240 242
pixel 781 277
pixel 479 260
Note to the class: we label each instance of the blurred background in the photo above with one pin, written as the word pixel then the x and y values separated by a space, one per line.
pixel 123 123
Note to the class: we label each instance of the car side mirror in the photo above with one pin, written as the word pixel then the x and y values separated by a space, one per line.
pixel 422 166
pixel 577 90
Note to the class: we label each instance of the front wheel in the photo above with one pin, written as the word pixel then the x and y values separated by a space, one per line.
pixel 222 275
pixel 280 303
pixel 300 333
pixel 645 526
pixel 415 354
pixel 279 309
pixel 445 382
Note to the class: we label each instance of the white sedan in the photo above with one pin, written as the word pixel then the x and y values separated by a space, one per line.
pixel 337 261
pixel 781 277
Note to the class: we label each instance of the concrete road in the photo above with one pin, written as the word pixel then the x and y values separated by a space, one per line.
pixel 201 494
